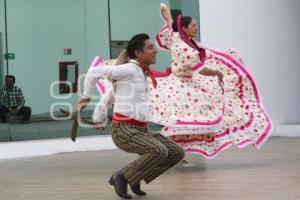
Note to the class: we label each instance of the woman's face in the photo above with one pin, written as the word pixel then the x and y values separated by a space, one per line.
pixel 191 30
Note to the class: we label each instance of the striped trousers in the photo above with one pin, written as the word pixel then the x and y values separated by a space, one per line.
pixel 157 153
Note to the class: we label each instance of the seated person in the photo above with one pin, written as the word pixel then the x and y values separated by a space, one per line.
pixel 12 101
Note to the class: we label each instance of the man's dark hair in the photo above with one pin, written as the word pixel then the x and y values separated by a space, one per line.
pixel 12 77
pixel 137 42
pixel 185 21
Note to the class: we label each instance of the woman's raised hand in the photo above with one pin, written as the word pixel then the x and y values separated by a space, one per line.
pixel 165 12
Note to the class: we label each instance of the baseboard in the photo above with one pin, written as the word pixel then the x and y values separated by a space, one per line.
pixel 91 143
pixel 53 146
pixel 287 130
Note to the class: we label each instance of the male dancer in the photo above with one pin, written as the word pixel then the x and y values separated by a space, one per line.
pixel 129 124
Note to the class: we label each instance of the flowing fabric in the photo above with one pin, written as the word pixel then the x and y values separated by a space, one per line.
pixel 195 110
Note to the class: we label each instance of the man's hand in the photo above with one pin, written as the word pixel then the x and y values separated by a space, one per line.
pixel 98 126
pixel 13 111
pixel 83 102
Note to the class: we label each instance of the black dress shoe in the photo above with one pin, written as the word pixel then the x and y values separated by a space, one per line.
pixel 120 183
pixel 137 190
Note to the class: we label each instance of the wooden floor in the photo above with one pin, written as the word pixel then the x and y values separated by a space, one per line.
pixel 271 173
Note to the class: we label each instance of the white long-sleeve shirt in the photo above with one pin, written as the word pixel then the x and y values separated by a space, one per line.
pixel 131 88
pixel 106 102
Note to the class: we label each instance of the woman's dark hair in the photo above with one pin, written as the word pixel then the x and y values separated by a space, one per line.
pixel 185 21
pixel 137 42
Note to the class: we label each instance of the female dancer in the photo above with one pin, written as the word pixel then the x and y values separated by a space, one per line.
pixel 196 112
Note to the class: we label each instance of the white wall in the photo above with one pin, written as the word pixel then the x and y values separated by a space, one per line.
pixel 267 34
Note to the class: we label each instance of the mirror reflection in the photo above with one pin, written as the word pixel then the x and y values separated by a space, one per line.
pixel 41 63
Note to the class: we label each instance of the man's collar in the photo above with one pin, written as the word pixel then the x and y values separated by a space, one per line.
pixel 5 87
pixel 134 61
pixel 138 64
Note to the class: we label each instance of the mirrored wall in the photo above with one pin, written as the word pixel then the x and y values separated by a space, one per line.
pixel 47 46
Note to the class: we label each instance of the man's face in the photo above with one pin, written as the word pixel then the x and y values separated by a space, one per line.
pixel 148 55
pixel 9 82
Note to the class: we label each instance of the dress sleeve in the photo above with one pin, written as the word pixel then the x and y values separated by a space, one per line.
pixel 164 38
